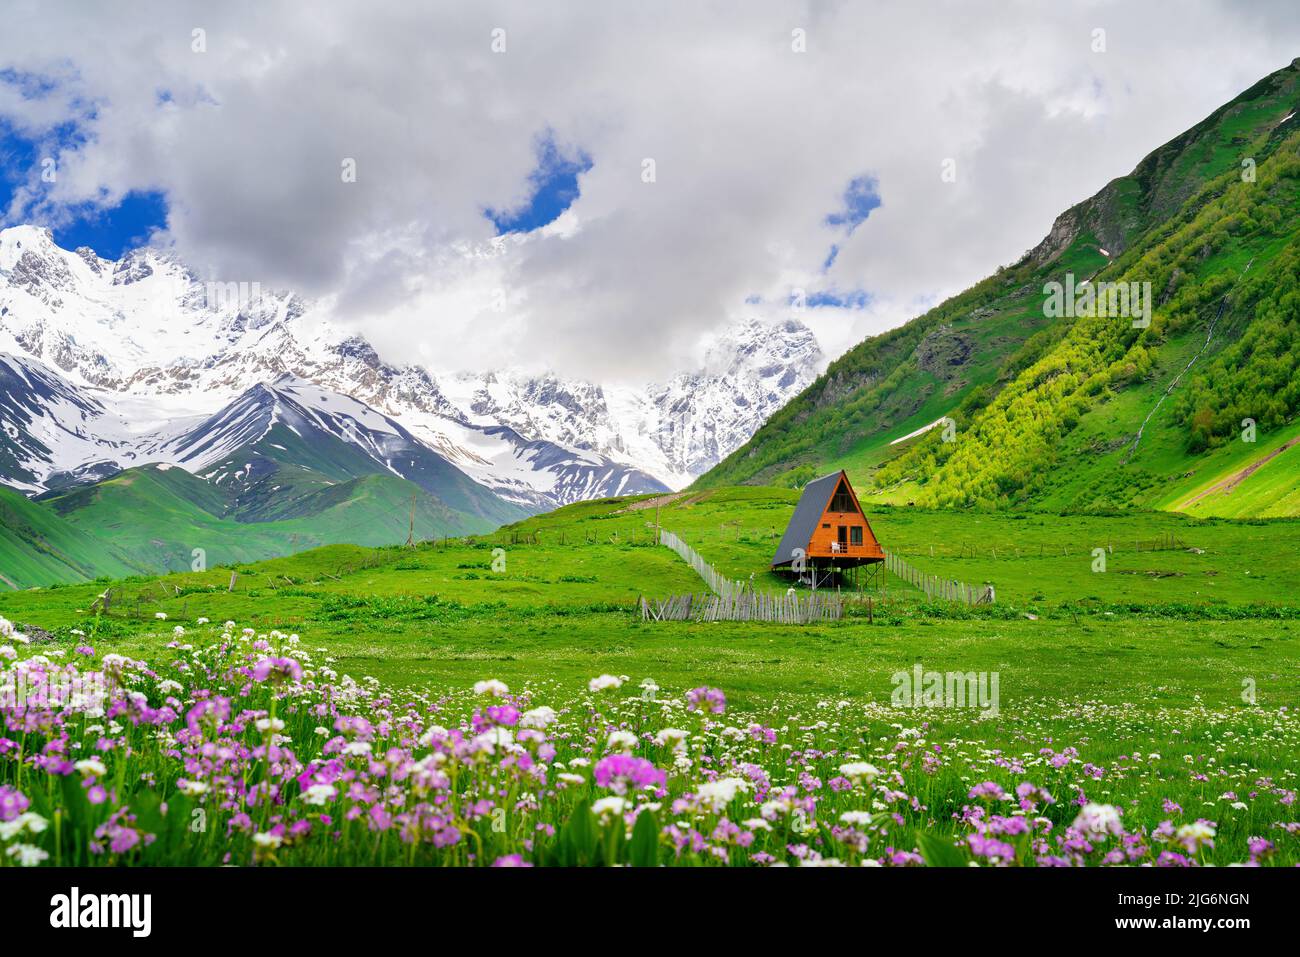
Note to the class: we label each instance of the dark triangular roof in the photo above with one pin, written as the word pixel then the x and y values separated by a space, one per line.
pixel 816 496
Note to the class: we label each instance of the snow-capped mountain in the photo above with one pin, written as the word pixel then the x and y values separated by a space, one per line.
pixel 675 430
pixel 135 355
pixel 51 432
pixel 698 419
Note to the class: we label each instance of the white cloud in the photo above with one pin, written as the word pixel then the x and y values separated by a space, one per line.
pixel 753 144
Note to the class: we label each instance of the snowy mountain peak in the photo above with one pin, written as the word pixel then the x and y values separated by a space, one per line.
pixel 145 336
pixel 15 239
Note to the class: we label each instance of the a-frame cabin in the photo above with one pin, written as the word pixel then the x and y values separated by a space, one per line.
pixel 828 530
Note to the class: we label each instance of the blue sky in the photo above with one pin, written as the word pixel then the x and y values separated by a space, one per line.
pixel 849 299
pixel 553 188
pixel 110 231
pixel 861 196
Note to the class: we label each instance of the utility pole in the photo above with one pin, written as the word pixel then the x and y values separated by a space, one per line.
pixel 410 537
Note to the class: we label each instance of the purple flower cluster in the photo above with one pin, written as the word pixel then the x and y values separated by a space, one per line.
pixel 290 766
pixel 277 669
pixel 707 699
pixel 622 772
pixel 12 803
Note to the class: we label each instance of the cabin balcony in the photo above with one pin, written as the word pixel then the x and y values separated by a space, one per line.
pixel 866 551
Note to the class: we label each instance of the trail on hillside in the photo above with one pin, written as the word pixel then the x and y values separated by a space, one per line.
pixel 1236 478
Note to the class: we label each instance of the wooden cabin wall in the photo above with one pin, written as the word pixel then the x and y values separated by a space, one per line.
pixel 820 546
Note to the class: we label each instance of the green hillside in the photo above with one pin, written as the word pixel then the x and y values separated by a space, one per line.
pixel 37 547
pixel 1047 411
pixel 285 472
pixel 290 490
pixel 153 518
pixel 1243 479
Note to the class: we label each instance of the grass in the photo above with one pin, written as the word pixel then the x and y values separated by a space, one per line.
pixel 37 547
pixel 154 518
pixel 1172 672
pixel 1191 619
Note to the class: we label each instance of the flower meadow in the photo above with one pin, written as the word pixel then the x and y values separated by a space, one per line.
pixel 239 748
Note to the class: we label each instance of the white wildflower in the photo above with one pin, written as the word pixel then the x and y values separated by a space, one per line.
pixel 860 771
pixel 716 795
pixel 608 806
pixel 1099 820
pixel 537 717
pixel 320 794
pixel 671 738
pixel 28 855
pixel 620 741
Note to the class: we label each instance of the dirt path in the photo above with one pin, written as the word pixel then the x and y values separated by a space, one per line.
pixel 8 582
pixel 1236 478
pixel 661 500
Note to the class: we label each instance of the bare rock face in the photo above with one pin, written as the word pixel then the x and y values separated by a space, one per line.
pixel 1063 232
pixel 38 635
pixel 943 352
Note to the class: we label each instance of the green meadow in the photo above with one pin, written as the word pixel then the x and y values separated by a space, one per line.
pixel 1183 608
pixel 1164 686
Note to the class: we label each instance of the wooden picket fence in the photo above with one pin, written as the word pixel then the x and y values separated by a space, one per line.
pixel 737 601
pixel 745 606
pixel 718 584
pixel 936 588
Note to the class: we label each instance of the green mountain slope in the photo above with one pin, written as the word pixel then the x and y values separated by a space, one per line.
pixel 37 547
pixel 1047 410
pixel 299 475
pixel 287 477
pixel 290 443
pixel 1245 480
pixel 157 517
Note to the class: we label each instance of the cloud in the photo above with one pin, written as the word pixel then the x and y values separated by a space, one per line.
pixel 764 158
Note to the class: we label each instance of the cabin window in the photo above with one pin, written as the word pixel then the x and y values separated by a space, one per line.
pixel 826 524
pixel 855 535
pixel 842 501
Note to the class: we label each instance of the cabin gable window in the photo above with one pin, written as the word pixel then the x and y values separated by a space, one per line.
pixel 842 500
